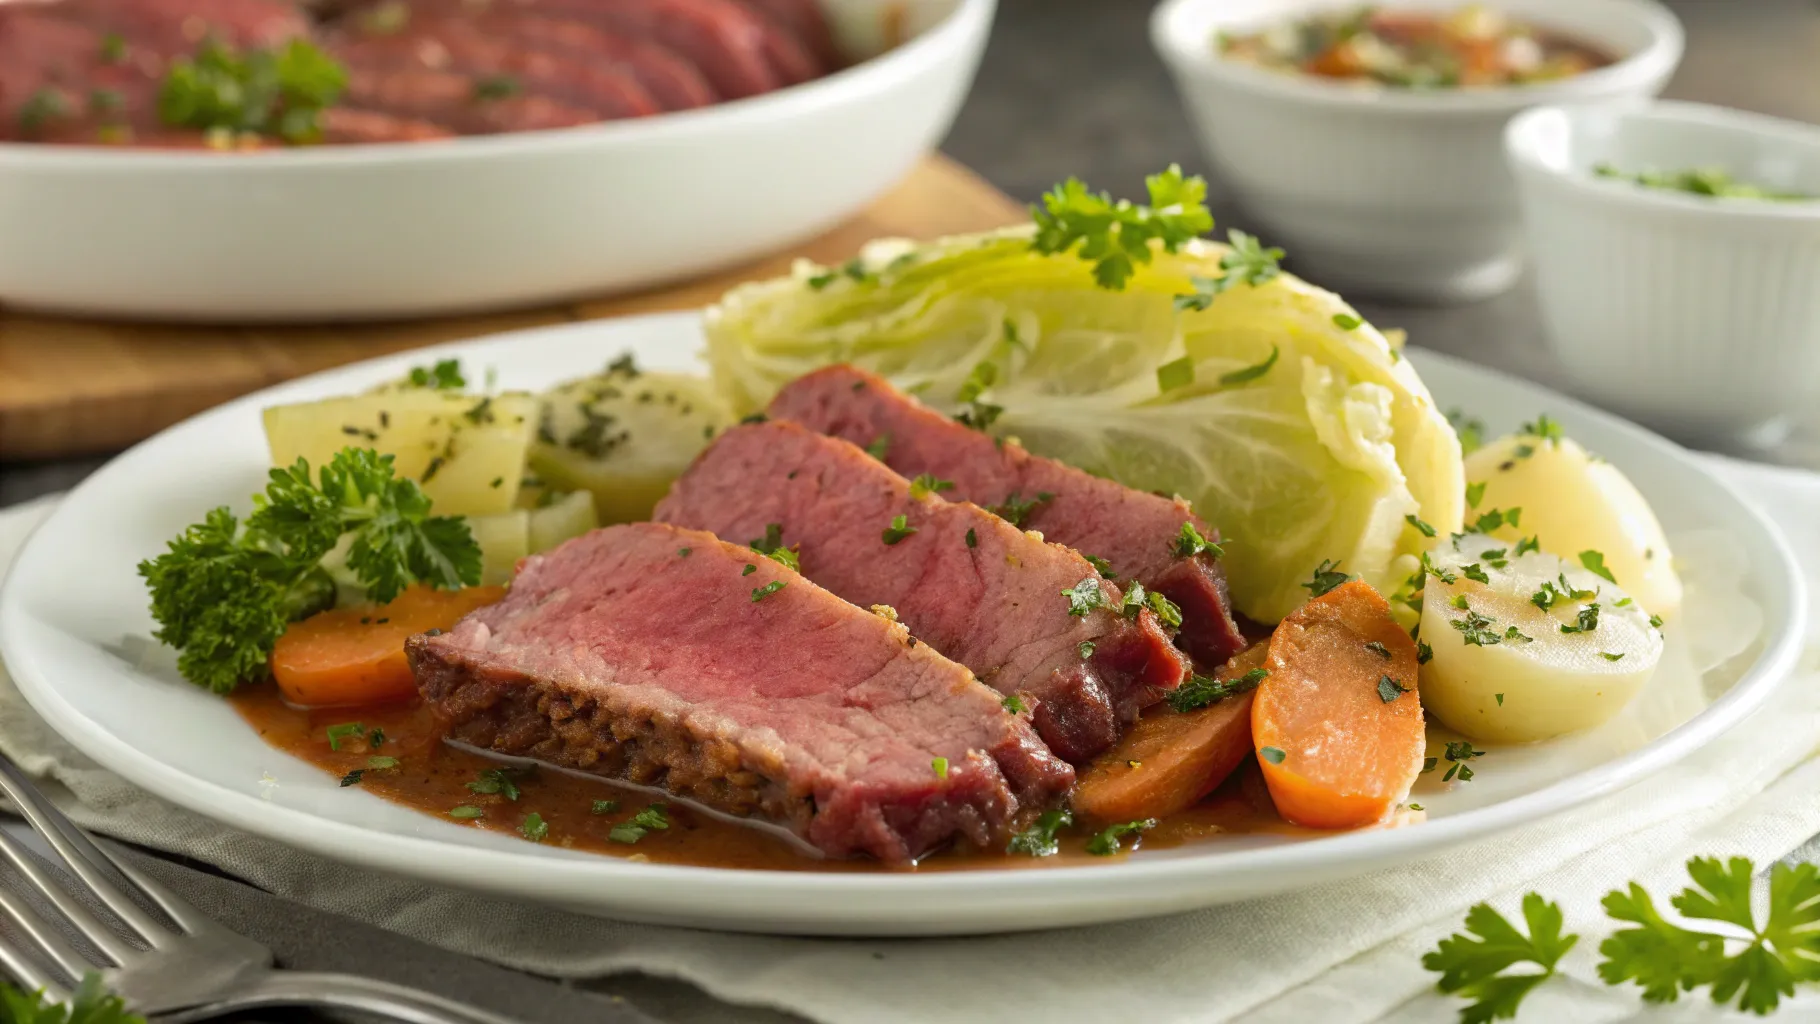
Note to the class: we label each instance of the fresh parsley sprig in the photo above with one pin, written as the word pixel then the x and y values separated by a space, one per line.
pixel 1116 236
pixel 1474 965
pixel 1755 964
pixel 1249 262
pixel 91 1003
pixel 223 593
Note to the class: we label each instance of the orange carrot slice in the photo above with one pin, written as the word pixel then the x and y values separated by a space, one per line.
pixel 356 655
pixel 1335 752
pixel 1169 760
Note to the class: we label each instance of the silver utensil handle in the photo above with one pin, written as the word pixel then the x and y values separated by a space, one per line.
pixel 341 991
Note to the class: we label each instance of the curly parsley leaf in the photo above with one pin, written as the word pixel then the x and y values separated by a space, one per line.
pixel 1248 262
pixel 1476 964
pixel 1039 839
pixel 1189 543
pixel 1326 577
pixel 1109 841
pixel 1084 597
pixel 1116 236
pixel 1201 691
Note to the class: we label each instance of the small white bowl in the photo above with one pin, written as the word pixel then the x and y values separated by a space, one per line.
pixel 1389 191
pixel 396 230
pixel 1699 317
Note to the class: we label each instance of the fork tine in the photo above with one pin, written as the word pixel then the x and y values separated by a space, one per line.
pixel 84 858
pixel 49 938
pixel 26 972
pixel 91 928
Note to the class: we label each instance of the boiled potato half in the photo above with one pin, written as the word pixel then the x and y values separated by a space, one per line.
pixel 467 451
pixel 1525 646
pixel 1572 502
pixel 624 436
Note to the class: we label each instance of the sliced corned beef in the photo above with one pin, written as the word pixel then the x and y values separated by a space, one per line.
pixel 964 581
pixel 664 657
pixel 1138 533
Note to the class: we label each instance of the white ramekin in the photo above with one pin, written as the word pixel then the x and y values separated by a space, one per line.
pixel 1389 191
pixel 1696 316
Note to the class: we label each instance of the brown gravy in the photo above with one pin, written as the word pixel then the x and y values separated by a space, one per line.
pixel 432 776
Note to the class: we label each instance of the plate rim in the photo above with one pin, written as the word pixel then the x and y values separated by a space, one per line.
pixel 531 875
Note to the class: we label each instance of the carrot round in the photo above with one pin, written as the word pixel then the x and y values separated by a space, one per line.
pixel 1335 752
pixel 1169 760
pixel 356 655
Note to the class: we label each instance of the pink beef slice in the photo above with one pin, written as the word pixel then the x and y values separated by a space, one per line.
pixel 1136 532
pixel 640 653
pixel 964 581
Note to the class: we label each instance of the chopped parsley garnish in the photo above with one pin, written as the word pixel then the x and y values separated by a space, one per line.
pixel 1513 635
pixel 1015 512
pixel 1473 965
pixel 1163 608
pixel 353 778
pixel 1608 656
pixel 1084 597
pixel 1475 493
pixel 1274 755
pixel 1326 577
pixel 1177 373
pixel 495 87
pixel 1346 321
pixel 879 446
pixel 977 414
pixel 760 593
pixel 1474 573
pixel 1104 567
pixel 973 540
pixel 1499 698
pixel 1389 689
pixel 1477 630
pixel 753 419
pixel 1594 562
pixel 1586 622
pixel 39 109
pixel 113 48
pixel 443 375
pixel 1248 262
pixel 926 484
pixel 1039 839
pixel 1496 519
pixel 771 545
pixel 375 738
pixel 1421 527
pixel 1108 841
pixel 603 807
pixel 1525 546
pixel 748 570
pixel 534 827
pixel 1189 543
pixel 279 93
pixel 1085 649
pixel 1378 649
pixel 381 763
pixel 652 819
pixel 940 767
pixel 1429 568
pixel 1253 372
pixel 466 812
pixel 1655 621
pixel 1013 705
pixel 1544 428
pixel 684 552
pixel 223 593
pixel 1116 236
pixel 497 782
pixel 1470 431
pixel 1424 653
pixel 1458 754
pixel 899 529
pixel 337 733
pixel 1201 691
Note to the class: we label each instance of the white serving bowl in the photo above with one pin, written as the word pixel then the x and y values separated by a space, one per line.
pixel 1389 191
pixel 399 230
pixel 1697 316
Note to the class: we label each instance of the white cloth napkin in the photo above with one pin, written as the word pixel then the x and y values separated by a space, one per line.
pixel 1349 951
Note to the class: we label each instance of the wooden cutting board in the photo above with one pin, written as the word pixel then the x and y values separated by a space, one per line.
pixel 74 387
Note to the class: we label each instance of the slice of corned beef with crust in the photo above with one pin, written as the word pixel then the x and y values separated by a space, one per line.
pixel 964 581
pixel 664 657
pixel 1139 534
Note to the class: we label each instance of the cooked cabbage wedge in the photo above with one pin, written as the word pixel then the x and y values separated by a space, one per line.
pixel 1303 440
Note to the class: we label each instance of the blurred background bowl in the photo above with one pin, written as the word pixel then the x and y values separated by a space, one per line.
pixel 399 230
pixel 1391 192
pixel 1694 315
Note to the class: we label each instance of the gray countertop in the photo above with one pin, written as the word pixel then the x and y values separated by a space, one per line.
pixel 1070 87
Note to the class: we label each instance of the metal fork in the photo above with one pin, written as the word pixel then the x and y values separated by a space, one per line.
pixel 187 968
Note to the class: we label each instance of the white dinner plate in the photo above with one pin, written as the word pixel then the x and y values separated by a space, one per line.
pixel 75 632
